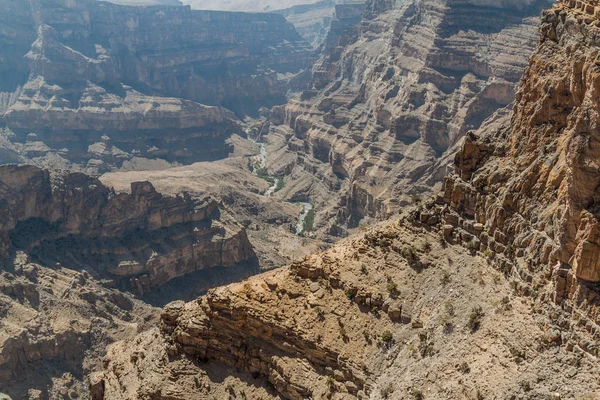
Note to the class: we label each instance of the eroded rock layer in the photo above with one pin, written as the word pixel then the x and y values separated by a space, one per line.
pixel 532 184
pixel 389 314
pixel 487 291
pixel 89 85
pixel 55 324
pixel 397 89
pixel 140 240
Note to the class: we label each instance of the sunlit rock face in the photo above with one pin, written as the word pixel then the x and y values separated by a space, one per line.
pixel 540 169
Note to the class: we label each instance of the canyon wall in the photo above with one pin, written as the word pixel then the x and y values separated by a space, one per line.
pixel 381 315
pixel 531 185
pixel 398 86
pixel 90 85
pixel 139 241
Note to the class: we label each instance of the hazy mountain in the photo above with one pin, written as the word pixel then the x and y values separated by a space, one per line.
pixel 246 5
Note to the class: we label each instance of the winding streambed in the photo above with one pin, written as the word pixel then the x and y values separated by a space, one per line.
pixel 306 207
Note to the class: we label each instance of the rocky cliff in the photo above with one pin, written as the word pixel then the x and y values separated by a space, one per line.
pixel 391 314
pixel 531 185
pixel 139 241
pixel 54 328
pixel 155 81
pixel 398 86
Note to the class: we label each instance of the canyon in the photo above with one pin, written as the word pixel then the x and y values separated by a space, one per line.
pixel 425 305
pixel 91 85
pixel 391 97
pixel 411 216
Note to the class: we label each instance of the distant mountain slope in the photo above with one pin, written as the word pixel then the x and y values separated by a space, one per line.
pixel 146 2
pixel 245 5
pixel 89 85
pixel 393 93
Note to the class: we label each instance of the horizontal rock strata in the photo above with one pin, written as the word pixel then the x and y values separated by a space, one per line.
pixel 396 91
pixel 140 240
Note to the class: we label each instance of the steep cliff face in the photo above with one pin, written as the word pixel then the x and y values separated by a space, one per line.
pixel 313 20
pixel 532 184
pixel 488 291
pixel 140 240
pixel 396 91
pixel 154 81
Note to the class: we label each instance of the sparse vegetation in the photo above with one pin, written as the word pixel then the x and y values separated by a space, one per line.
pixel 387 337
pixel 364 270
pixel 309 221
pixel 464 367
pixel 387 391
pixel 410 254
pixel 426 346
pixel 445 278
pixel 392 289
pixel 473 245
pixel 280 184
pixel 367 336
pixel 417 394
pixel 475 318
pixel 525 386
pixel 320 314
pixel 330 381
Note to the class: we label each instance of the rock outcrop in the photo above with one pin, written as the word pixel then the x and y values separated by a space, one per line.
pixel 386 314
pixel 140 240
pixel 156 81
pixel 399 84
pixel 487 291
pixel 531 186
pixel 54 328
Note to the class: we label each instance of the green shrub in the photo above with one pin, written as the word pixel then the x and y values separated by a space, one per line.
pixel 475 318
pixel 392 289
pixel 387 337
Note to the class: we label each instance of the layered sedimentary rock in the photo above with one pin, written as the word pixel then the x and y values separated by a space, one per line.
pixel 487 292
pixel 389 313
pixel 531 185
pixel 399 85
pixel 312 21
pixel 156 81
pixel 140 240
pixel 54 328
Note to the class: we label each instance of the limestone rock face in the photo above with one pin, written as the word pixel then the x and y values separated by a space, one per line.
pixel 398 86
pixel 140 240
pixel 531 182
pixel 157 81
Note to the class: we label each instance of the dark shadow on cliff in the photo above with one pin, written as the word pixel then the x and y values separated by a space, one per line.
pixel 196 284
pixel 487 20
